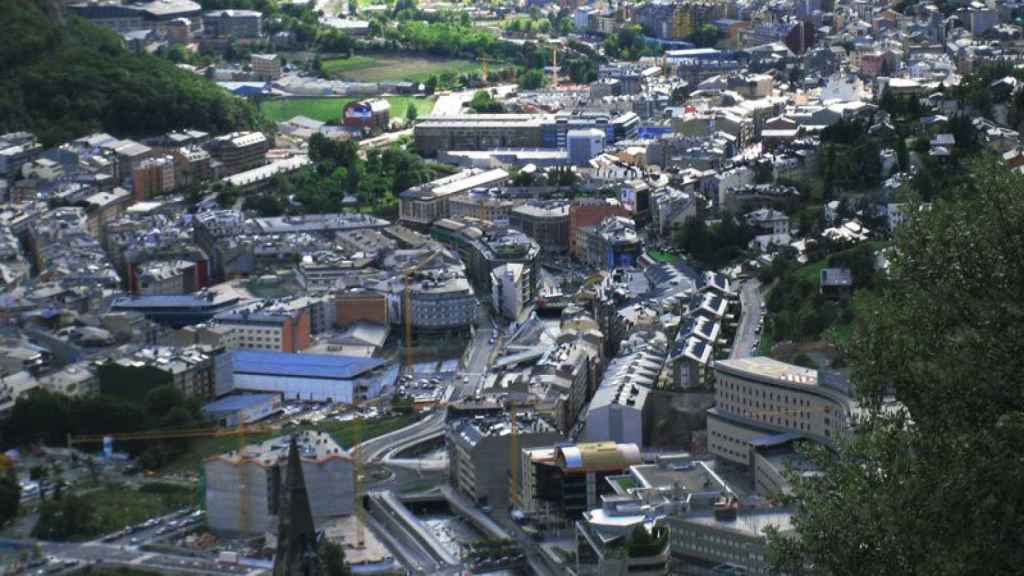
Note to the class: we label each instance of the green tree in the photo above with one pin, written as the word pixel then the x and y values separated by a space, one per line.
pixel 483 103
pixel 430 86
pixel 931 487
pixel 332 559
pixel 64 78
pixel 70 517
pixel 902 154
pixel 162 399
pixel 10 496
pixel 531 80
pixel 352 173
pixel 411 113
pixel 828 173
pixel 708 35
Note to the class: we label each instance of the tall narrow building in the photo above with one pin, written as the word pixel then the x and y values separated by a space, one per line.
pixel 296 536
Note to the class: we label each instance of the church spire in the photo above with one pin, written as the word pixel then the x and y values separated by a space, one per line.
pixel 296 535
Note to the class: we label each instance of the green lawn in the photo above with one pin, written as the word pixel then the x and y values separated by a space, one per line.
pixel 342 432
pixel 326 109
pixel 119 506
pixel 665 257
pixel 384 68
pixel 284 286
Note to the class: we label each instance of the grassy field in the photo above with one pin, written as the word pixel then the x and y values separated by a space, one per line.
pixel 342 432
pixel 326 109
pixel 118 506
pixel 362 68
pixel 659 256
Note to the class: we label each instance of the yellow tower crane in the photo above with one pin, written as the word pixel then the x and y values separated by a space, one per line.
pixel 241 432
pixel 512 408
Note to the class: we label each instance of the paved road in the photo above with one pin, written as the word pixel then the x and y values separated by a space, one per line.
pixel 750 316
pixel 478 357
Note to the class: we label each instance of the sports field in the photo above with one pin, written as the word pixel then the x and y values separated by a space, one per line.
pixel 325 109
pixel 363 68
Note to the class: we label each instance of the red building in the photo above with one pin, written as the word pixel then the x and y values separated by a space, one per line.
pixel 368 116
pixel 590 212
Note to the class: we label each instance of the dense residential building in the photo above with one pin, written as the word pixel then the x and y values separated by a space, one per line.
pixel 265 66
pixel 484 246
pixel 128 17
pixel 233 23
pixel 483 204
pixel 421 205
pixel 671 208
pixel 153 177
pixel 621 408
pixel 268 326
pixel 590 212
pixel 478 132
pixel 16 149
pixel 481 453
pixel 547 222
pixel 510 289
pixel 759 396
pixel 239 151
pixel 197 371
pixel 612 243
pixel 242 485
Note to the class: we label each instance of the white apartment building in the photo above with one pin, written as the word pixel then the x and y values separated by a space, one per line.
pixel 760 396
pixel 510 289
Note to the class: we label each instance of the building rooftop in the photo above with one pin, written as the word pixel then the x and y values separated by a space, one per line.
pixel 463 181
pixel 230 404
pixel 544 209
pixel 314 447
pixel 595 456
pixel 838 277
pixel 770 369
pixel 302 365
pixel 752 523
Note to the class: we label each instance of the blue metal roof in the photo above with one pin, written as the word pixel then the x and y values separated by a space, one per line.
pixel 235 403
pixel 302 365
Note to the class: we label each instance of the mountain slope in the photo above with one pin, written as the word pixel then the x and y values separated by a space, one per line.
pixel 62 77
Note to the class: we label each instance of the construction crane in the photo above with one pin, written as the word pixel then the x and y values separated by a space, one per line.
pixel 484 61
pixel 513 451
pixel 407 302
pixel 554 67
pixel 241 432
pixel 357 465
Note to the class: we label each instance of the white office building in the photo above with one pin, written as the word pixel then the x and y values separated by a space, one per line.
pixel 510 289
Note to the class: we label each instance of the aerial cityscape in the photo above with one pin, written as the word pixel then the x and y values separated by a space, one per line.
pixel 493 287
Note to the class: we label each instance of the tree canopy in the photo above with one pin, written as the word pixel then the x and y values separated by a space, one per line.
pixel 930 483
pixel 64 81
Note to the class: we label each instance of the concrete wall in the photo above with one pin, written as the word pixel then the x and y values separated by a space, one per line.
pixel 330 485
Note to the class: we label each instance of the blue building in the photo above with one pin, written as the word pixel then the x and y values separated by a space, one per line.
pixel 312 377
pixel 555 130
pixel 232 411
